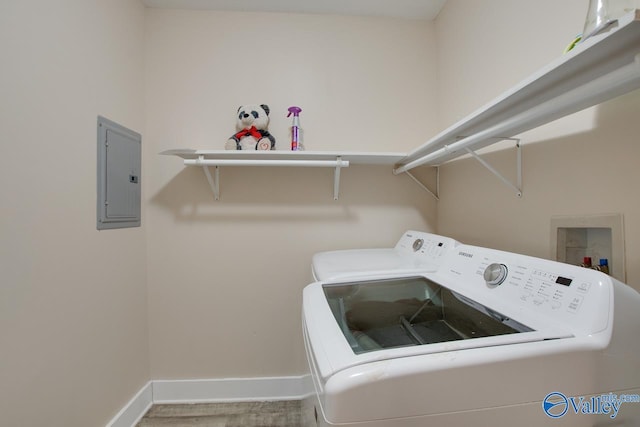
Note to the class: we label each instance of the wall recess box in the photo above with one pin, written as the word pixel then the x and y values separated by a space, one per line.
pixel 119 165
pixel 595 236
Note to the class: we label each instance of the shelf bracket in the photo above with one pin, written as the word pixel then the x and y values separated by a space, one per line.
pixel 336 178
pixel 518 185
pixel 435 195
pixel 214 183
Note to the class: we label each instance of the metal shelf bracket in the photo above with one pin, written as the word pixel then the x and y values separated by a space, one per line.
pixel 214 183
pixel 435 195
pixel 518 185
pixel 336 178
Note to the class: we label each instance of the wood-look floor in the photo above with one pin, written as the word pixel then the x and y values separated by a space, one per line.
pixel 237 414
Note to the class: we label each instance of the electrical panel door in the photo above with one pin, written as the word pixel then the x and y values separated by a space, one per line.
pixel 119 164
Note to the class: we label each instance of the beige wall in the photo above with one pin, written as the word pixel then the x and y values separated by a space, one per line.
pixel 581 165
pixel 73 330
pixel 225 278
pixel 484 47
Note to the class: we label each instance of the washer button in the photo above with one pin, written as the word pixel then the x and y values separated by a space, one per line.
pixel 583 288
pixel 575 304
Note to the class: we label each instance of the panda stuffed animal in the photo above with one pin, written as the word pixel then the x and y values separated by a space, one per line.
pixel 251 125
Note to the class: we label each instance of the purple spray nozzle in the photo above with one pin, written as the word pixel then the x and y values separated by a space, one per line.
pixel 295 111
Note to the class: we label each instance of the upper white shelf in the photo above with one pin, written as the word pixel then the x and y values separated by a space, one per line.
pixel 601 68
pixel 291 158
pixel 337 160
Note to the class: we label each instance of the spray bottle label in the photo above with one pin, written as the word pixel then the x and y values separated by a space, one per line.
pixel 294 138
pixel 295 128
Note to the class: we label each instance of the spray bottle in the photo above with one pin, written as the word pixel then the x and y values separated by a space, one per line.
pixel 296 131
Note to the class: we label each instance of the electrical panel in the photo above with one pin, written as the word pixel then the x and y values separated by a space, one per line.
pixel 119 165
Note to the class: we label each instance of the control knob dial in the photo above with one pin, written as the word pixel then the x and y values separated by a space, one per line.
pixel 495 274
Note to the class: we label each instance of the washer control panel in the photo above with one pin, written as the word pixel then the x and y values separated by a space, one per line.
pixel 549 288
pixel 565 292
pixel 427 247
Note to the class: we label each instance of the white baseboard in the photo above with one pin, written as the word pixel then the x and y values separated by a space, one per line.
pixel 135 409
pixel 213 390
pixel 231 389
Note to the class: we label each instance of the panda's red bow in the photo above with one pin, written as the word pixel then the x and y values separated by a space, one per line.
pixel 252 131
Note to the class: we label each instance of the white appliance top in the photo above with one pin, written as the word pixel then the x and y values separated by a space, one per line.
pixel 415 251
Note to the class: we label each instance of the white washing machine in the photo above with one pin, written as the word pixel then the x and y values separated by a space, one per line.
pixel 415 251
pixel 483 338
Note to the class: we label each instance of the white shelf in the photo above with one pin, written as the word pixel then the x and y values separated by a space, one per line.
pixel 352 157
pixel 603 67
pixel 336 160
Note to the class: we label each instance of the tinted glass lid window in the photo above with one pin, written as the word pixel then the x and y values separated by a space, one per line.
pixel 374 315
